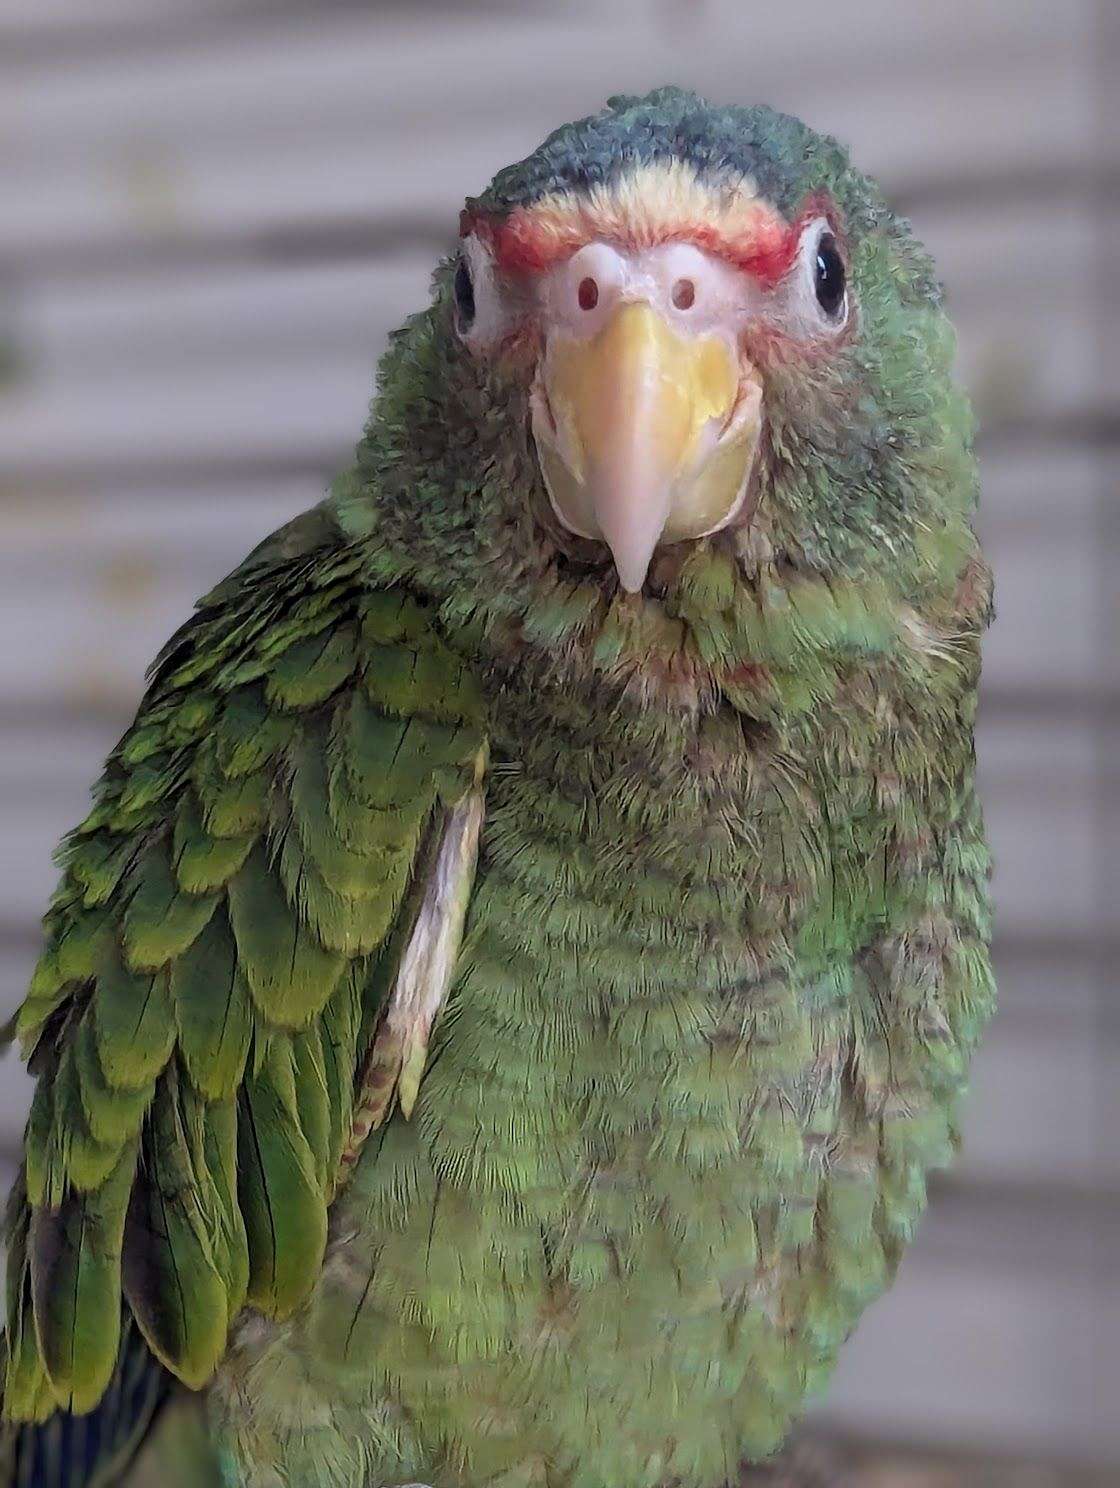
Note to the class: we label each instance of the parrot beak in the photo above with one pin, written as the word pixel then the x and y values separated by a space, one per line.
pixel 645 436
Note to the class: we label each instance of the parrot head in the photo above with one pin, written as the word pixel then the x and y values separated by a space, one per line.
pixel 653 301
pixel 675 337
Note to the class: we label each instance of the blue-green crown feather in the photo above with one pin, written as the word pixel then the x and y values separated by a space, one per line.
pixel 783 157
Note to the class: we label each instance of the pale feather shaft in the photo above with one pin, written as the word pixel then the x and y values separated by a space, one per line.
pixel 396 1059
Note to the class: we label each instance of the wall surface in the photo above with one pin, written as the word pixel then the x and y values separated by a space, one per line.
pixel 212 214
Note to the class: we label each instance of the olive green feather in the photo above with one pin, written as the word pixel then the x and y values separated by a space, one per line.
pixel 311 671
pixel 27 1392
pixel 312 1100
pixel 113 1111
pixel 203 861
pixel 213 1011
pixel 75 1261
pixel 289 971
pixel 228 1236
pixel 281 1196
pixel 134 1022
pixel 161 920
pixel 170 1273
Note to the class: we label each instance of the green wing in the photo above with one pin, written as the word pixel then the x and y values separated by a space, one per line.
pixel 200 1010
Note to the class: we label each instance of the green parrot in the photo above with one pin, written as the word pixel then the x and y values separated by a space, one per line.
pixel 522 962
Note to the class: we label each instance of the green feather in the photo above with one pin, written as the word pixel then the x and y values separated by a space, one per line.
pixel 290 974
pixel 27 1392
pixel 311 671
pixel 340 858
pixel 81 943
pixel 98 864
pixel 76 1156
pixel 425 679
pixel 213 1012
pixel 134 1023
pixel 351 924
pixel 75 1263
pixel 114 1113
pixel 161 920
pixel 236 806
pixel 251 734
pixel 312 1100
pixel 339 1027
pixel 171 1279
pixel 231 1245
pixel 392 615
pixel 372 738
pixel 204 862
pixel 280 1194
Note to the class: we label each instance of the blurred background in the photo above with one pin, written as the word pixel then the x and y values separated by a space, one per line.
pixel 211 214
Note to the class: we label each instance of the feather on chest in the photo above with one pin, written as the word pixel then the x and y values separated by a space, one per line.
pixel 664 1149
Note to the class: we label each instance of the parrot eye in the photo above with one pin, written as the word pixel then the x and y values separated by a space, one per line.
pixel 815 298
pixel 828 270
pixel 464 295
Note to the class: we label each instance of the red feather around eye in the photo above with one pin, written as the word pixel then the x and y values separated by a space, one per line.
pixel 533 239
pixel 765 254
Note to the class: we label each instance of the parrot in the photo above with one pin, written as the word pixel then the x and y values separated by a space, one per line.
pixel 520 967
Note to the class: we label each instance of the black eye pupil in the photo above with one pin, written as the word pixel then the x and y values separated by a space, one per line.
pixel 829 274
pixel 464 294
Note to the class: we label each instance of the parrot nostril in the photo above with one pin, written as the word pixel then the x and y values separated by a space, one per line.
pixel 684 294
pixel 588 294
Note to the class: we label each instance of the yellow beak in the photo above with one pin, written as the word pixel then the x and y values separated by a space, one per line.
pixel 644 435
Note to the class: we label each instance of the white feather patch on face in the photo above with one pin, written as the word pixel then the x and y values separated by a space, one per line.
pixel 720 300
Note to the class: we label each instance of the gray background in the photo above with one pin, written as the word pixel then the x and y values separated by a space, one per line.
pixel 210 216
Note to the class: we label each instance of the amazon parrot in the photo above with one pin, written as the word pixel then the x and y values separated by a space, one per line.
pixel 520 966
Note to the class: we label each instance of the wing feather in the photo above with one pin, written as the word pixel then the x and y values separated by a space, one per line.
pixel 226 913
